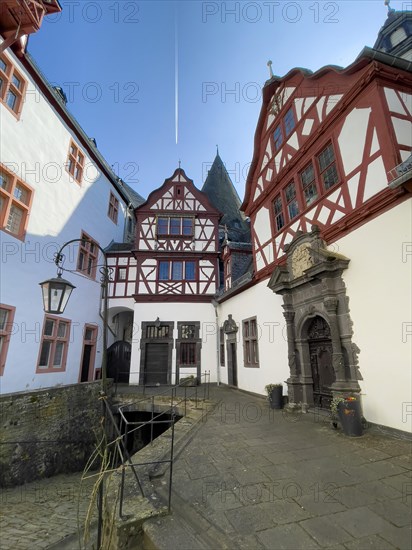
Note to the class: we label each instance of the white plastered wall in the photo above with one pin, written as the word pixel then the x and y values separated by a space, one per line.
pixel 260 302
pixel 174 312
pixel 35 147
pixel 378 284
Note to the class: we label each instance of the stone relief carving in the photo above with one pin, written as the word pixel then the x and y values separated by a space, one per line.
pixel 301 260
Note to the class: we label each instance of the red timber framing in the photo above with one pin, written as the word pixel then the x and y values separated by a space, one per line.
pixel 22 17
pixel 177 242
pixel 351 197
pixel 123 269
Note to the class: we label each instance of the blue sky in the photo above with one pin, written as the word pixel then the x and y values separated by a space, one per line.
pixel 121 63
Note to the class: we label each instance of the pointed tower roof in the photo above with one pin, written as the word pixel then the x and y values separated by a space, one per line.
pixel 222 194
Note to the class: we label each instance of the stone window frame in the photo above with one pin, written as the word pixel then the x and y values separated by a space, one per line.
pixel 54 339
pixel 195 342
pixel 250 342
pixel 14 194
pixel 5 334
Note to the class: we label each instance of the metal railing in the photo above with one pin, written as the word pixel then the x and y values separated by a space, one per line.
pixel 178 395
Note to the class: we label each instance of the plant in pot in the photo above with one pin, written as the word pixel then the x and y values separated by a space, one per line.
pixel 275 397
pixel 348 411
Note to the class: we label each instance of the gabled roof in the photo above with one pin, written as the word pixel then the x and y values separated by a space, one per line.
pixel 179 177
pixel 364 59
pixel 223 195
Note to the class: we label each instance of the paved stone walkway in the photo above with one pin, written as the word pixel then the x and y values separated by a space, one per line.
pixel 250 478
pixel 41 514
pixel 255 478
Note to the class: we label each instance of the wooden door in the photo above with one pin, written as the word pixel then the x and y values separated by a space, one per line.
pixel 156 364
pixel 88 353
pixel 232 364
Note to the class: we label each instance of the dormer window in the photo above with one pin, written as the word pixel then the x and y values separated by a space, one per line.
pixel 398 36
pixel 176 226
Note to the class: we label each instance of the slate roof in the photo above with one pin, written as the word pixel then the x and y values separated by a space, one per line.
pixel 222 194
pixel 135 198
pixel 119 247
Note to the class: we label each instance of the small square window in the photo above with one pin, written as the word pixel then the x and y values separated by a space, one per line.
pixel 3 65
pixel 121 273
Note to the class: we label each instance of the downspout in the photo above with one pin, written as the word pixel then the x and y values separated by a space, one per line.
pixel 215 304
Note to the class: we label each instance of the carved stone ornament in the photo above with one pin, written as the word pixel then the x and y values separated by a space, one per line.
pixel 230 325
pixel 319 329
pixel 301 260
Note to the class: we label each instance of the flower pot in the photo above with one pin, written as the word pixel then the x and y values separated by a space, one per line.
pixel 350 417
pixel 276 398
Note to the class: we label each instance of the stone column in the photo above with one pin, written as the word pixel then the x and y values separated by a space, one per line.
pixel 293 382
pixel 341 384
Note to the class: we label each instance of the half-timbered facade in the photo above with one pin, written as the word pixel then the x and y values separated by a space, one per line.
pixel 168 279
pixel 328 196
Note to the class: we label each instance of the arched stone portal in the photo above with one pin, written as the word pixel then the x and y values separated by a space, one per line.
pixel 322 358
